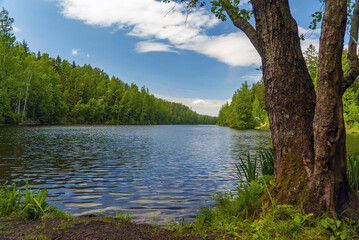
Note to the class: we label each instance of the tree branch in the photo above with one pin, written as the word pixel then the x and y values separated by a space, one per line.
pixel 247 28
pixel 353 60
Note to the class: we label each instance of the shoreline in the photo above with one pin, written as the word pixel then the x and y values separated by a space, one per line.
pixel 90 227
pixel 349 131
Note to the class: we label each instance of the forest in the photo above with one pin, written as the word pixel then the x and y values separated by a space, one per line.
pixel 247 109
pixel 39 89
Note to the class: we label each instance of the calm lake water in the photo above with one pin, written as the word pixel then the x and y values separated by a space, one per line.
pixel 158 173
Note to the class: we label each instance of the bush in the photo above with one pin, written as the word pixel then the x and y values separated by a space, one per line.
pixel 29 204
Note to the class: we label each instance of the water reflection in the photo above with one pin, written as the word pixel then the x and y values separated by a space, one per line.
pixel 161 172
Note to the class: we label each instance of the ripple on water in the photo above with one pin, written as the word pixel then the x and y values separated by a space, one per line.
pixel 152 172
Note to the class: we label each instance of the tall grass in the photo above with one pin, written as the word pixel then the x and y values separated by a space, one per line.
pixel 353 172
pixel 266 157
pixel 247 168
pixel 241 214
pixel 29 204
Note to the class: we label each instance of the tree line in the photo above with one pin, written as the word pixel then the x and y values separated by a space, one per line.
pixel 247 109
pixel 38 88
pixel 351 95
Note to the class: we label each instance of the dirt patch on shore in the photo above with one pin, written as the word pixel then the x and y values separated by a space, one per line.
pixel 87 228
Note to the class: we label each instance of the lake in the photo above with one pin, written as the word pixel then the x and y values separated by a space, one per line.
pixel 155 173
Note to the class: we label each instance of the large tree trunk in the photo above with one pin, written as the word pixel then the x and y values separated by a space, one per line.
pixel 308 131
pixel 328 183
pixel 290 97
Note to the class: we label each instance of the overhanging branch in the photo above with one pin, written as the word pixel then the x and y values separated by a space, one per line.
pixel 248 29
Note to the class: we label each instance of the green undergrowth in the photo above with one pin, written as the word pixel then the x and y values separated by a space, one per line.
pixel 125 217
pixel 353 129
pixel 27 204
pixel 31 204
pixel 241 215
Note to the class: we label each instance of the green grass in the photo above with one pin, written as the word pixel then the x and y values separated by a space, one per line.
pixel 266 157
pixel 242 215
pixel 41 237
pixel 353 172
pixel 28 204
pixel 41 227
pixel 123 217
pixel 247 168
pixel 354 129
pixel 62 226
pixel 238 214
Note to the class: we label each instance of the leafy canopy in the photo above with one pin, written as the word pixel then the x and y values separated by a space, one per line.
pixel 219 8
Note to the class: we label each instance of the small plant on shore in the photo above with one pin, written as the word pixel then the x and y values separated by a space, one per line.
pixel 41 227
pixel 247 168
pixel 337 227
pixel 29 204
pixel 266 157
pixel 244 215
pixel 124 217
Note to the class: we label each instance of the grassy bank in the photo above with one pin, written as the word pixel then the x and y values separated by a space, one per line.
pixel 352 131
pixel 25 214
pixel 243 215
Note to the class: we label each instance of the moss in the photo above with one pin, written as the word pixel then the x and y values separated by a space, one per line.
pixel 62 226
pixel 291 182
pixel 107 219
pixel 41 237
pixel 79 221
pixel 41 227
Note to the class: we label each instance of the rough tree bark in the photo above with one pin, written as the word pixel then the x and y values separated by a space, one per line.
pixel 329 178
pixel 308 131
pixel 329 183
pixel 307 127
pixel 290 96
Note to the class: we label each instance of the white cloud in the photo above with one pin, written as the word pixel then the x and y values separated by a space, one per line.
pixel 310 37
pixel 308 32
pixel 233 49
pixel 202 106
pixel 15 29
pixel 149 46
pixel 75 51
pixel 311 41
pixel 252 78
pixel 154 20
pixel 79 52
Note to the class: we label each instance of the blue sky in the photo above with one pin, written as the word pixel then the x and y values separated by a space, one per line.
pixel 199 62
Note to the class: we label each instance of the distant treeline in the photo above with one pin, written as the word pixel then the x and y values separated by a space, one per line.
pixel 41 89
pixel 351 95
pixel 247 109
